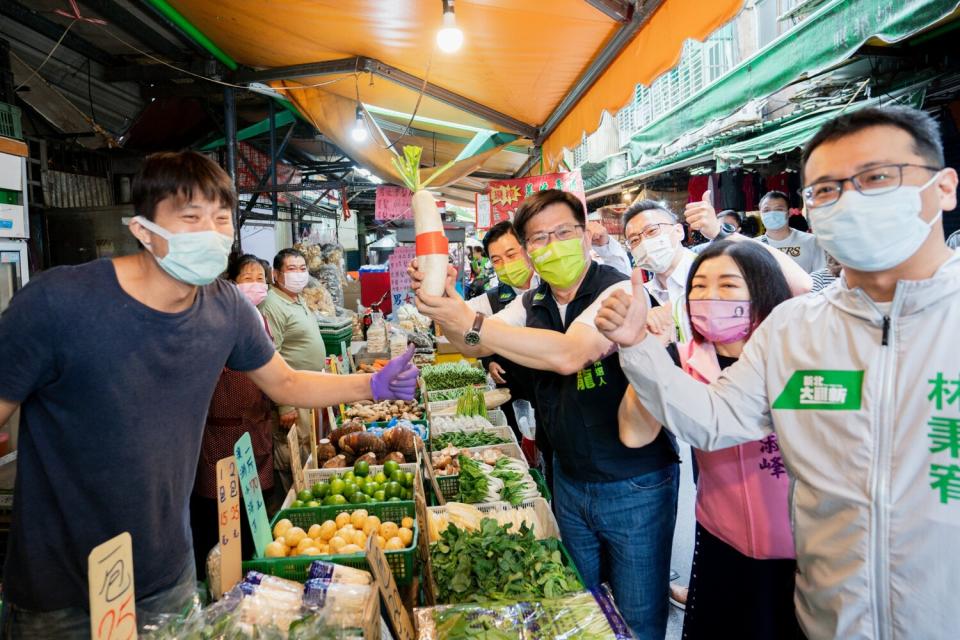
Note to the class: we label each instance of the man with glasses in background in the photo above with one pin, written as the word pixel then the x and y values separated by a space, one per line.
pixel 864 396
pixel 616 506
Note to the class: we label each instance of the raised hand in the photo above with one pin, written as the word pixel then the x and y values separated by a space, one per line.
pixel 623 318
pixel 397 380
pixel 702 217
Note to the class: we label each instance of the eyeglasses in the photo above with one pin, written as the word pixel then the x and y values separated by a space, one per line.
pixel 561 233
pixel 874 181
pixel 649 231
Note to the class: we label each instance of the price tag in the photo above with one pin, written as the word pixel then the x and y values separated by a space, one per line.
pixel 252 494
pixel 423 543
pixel 296 467
pixel 113 604
pixel 228 520
pixel 397 614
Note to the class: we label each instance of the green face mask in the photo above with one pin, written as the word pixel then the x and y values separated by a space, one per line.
pixel 515 273
pixel 560 263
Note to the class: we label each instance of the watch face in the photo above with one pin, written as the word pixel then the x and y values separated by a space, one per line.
pixel 472 338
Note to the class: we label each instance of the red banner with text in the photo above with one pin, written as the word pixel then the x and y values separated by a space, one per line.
pixel 506 195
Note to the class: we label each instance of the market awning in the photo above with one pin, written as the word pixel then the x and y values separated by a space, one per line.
pixel 519 62
pixel 832 34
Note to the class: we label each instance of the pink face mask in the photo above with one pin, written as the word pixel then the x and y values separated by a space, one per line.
pixel 255 292
pixel 721 321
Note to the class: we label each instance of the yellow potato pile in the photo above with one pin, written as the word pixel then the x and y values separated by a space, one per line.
pixel 348 533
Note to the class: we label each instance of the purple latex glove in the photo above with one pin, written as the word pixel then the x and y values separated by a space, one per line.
pixel 397 380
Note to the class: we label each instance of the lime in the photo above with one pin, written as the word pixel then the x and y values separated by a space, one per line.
pixel 394 500
pixel 379 496
pixel 361 469
pixel 408 479
pixel 360 482
pixel 348 490
pixel 407 494
pixel 336 486
pixel 296 504
pixel 393 490
pixel 358 498
pixel 397 476
pixel 380 477
pixel 348 475
pixel 304 495
pixel 311 503
pixel 320 490
pixel 334 499
pixel 390 467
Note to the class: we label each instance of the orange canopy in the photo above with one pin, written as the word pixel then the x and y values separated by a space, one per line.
pixel 520 57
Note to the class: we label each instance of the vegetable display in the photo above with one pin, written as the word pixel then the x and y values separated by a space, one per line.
pixel 492 398
pixel 505 479
pixel 468 439
pixel 360 486
pixel 432 246
pixel 471 403
pixel 584 615
pixel 450 375
pixel 492 564
pixel 443 424
pixel 517 483
pixel 384 411
pixel 446 461
pixel 352 442
pixel 468 517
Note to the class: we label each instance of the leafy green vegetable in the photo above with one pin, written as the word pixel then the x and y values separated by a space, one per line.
pixel 408 165
pixel 451 375
pixel 474 482
pixel 494 564
pixel 464 439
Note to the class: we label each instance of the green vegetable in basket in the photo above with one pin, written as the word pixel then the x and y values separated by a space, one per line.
pixel 451 375
pixel 476 483
pixel 463 439
pixel 472 403
pixel 517 483
pixel 494 564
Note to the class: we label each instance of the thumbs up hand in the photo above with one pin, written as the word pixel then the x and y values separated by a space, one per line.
pixel 623 317
pixel 702 217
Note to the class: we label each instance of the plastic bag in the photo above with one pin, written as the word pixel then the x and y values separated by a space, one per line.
pixel 527 424
pixel 586 614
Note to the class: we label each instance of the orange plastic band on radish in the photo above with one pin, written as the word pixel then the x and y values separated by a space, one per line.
pixel 432 243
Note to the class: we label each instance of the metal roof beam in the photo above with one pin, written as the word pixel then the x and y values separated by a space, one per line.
pixel 35 21
pixel 607 55
pixel 619 10
pixel 134 26
pixel 311 185
pixel 404 79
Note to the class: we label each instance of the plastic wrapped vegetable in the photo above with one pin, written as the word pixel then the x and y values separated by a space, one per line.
pixel 432 245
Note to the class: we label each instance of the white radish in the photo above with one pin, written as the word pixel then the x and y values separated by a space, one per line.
pixel 432 244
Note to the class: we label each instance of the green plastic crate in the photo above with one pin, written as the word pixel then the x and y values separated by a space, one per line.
pixel 541 484
pixel 332 339
pixel 402 562
pixel 10 121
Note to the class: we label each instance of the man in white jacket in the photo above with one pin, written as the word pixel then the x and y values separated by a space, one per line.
pixel 864 395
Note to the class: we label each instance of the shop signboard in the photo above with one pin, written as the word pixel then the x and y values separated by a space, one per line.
pixel 400 291
pixel 507 195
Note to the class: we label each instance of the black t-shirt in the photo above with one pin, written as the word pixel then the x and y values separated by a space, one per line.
pixel 113 400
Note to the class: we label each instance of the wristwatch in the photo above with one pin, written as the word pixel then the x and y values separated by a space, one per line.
pixel 472 336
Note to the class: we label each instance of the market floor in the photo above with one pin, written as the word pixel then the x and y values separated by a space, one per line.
pixel 683 537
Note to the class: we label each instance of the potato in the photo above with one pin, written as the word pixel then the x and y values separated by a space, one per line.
pixel 360 538
pixel 350 548
pixel 389 530
pixel 380 541
pixel 313 551
pixel 394 544
pixel 275 550
pixel 327 530
pixel 314 531
pixel 405 535
pixel 342 519
pixel 294 535
pixel 306 543
pixel 372 525
pixel 337 543
pixel 407 523
pixel 281 528
pixel 358 518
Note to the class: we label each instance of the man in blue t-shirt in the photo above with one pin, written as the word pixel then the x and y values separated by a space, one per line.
pixel 112 365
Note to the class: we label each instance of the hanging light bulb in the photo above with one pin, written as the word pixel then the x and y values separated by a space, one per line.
pixel 450 37
pixel 359 131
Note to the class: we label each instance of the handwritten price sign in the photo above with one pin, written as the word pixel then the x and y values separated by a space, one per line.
pixel 228 521
pixel 252 494
pixel 399 280
pixel 393 203
pixel 113 611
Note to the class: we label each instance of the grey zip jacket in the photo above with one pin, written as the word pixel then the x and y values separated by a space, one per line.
pixel 865 402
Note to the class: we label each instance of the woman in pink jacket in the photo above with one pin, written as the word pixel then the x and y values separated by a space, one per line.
pixel 743 566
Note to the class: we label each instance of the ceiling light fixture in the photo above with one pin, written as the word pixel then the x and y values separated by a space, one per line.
pixel 359 131
pixel 450 37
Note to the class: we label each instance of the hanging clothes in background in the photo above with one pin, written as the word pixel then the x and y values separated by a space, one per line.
pixel 778 182
pixel 750 196
pixel 731 191
pixel 696 187
pixel 794 184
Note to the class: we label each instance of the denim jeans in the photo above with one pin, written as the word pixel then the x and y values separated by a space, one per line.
pixel 622 533
pixel 74 623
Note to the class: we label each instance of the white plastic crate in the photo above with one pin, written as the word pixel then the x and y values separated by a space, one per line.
pixel 545 527
pixel 504 432
pixel 450 485
pixel 495 418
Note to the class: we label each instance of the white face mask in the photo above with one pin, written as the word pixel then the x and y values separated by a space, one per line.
pixel 873 233
pixel 295 281
pixel 655 254
pixel 774 219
